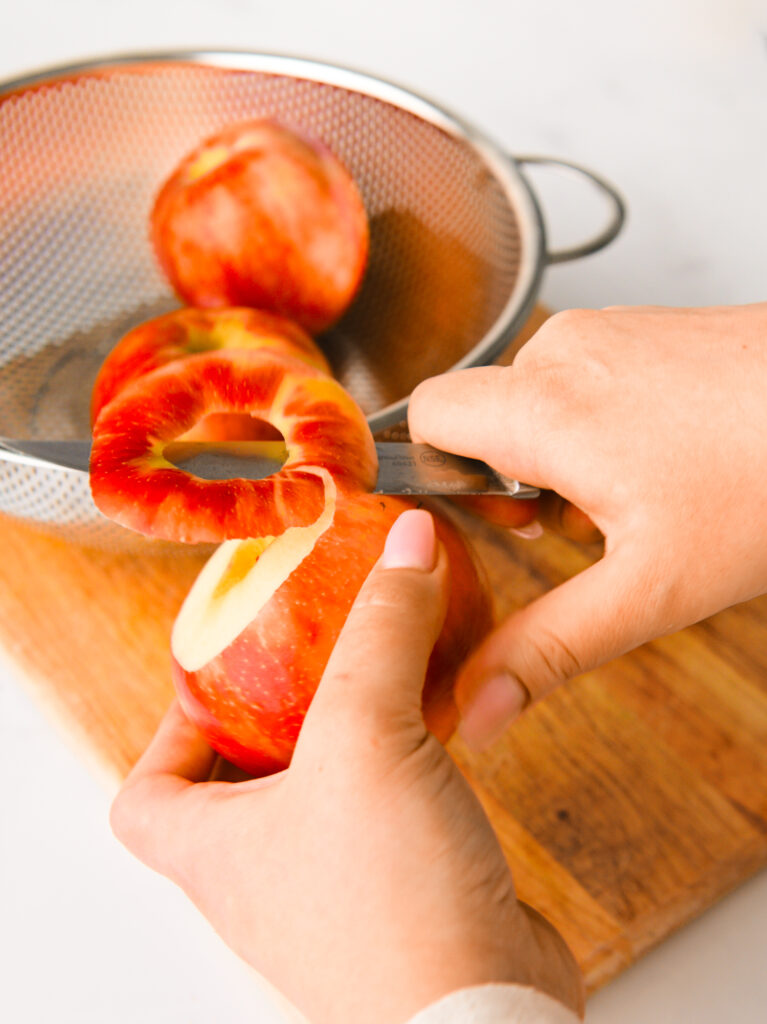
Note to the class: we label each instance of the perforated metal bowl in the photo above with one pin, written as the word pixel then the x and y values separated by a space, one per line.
pixel 457 239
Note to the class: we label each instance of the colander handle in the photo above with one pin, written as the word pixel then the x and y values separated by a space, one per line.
pixel 617 216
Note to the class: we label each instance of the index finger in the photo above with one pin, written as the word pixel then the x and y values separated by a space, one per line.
pixel 146 814
pixel 481 413
pixel 176 749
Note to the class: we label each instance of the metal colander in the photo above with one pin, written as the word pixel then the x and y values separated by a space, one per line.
pixel 457 240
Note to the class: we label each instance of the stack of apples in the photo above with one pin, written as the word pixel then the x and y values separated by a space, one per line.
pixel 262 232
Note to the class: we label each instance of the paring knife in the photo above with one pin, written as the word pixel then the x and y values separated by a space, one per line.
pixel 403 468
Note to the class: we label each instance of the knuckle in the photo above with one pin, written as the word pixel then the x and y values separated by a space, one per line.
pixel 130 816
pixel 563 338
pixel 395 593
pixel 546 661
pixel 568 368
pixel 122 817
pixel 343 681
pixel 359 720
pixel 568 323
pixel 542 388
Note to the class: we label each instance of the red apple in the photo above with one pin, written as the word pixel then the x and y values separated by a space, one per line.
pixel 135 484
pixel 549 509
pixel 184 332
pixel 252 639
pixel 502 511
pixel 263 216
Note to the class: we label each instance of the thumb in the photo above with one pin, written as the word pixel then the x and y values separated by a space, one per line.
pixel 373 681
pixel 603 612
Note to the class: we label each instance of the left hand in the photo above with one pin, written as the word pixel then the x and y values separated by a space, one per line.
pixel 364 881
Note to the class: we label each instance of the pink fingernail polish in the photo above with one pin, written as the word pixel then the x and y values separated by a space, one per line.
pixel 496 704
pixel 412 542
pixel 529 532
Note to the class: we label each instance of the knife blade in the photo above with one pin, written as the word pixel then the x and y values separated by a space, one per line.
pixel 403 467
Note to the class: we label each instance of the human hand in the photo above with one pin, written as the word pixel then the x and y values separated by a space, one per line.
pixel 365 881
pixel 653 422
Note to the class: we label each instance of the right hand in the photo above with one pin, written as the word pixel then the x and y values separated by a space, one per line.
pixel 653 422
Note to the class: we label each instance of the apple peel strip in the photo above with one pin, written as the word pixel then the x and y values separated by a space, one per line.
pixel 213 616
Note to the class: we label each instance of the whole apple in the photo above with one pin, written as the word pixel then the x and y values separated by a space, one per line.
pixel 260 215
pixel 252 640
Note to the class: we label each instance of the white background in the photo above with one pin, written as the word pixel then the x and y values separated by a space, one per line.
pixel 669 100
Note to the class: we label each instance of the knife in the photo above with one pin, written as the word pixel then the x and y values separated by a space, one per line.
pixel 403 468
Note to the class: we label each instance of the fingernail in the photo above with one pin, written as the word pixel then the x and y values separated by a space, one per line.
pixel 529 532
pixel 412 542
pixel 496 704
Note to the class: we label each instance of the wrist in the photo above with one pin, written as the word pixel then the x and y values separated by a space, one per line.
pixel 527 953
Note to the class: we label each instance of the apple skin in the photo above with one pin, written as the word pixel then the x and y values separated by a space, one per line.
pixel 250 700
pixel 509 512
pixel 185 332
pixel 133 483
pixel 260 215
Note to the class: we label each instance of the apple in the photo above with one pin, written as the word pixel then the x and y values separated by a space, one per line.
pixel 261 215
pixel 134 482
pixel 252 639
pixel 500 510
pixel 184 332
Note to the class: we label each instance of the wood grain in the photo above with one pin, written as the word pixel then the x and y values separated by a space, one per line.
pixel 627 802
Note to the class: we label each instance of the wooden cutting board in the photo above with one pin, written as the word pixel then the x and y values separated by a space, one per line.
pixel 627 802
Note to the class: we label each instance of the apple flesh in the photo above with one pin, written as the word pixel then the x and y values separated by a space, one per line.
pixel 253 637
pixel 136 485
pixel 186 332
pixel 263 216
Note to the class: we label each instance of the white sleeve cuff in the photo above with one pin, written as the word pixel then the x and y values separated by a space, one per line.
pixel 496 1004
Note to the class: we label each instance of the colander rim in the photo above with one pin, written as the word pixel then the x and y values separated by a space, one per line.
pixel 502 165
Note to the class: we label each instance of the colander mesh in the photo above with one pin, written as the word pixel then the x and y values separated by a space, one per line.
pixel 83 157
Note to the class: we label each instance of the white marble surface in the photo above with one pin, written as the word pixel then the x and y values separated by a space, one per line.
pixel 667 99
